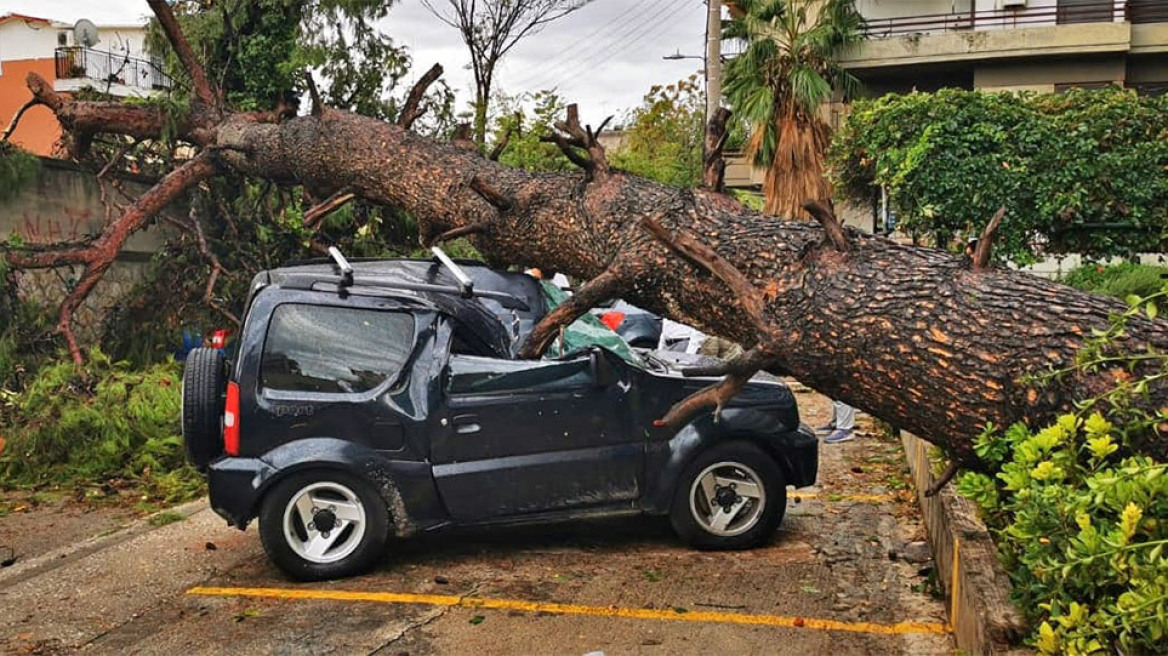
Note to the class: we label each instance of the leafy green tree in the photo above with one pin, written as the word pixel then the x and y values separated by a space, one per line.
pixel 1077 172
pixel 663 137
pixel 261 52
pixel 787 70
pixel 523 121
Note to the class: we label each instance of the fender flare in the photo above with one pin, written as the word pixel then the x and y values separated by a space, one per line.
pixel 327 453
pixel 750 424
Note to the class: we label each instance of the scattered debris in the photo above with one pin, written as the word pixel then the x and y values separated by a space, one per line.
pixel 723 607
pixel 210 546
pixel 917 552
pixel 441 580
pixel 477 619
pixel 10 559
pixel 246 613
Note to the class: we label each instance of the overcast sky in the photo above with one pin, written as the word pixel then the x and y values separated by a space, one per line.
pixel 604 56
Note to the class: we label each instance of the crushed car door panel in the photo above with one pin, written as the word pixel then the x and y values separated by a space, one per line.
pixel 529 436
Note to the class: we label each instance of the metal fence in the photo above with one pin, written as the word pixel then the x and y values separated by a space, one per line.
pixel 75 62
pixel 1102 11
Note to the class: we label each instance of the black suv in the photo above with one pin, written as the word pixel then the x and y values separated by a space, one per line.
pixel 385 397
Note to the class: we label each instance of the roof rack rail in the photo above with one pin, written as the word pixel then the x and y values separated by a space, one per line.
pixel 463 280
pixel 345 280
pixel 344 269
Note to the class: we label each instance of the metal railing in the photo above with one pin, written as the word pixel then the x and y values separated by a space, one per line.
pixel 76 62
pixel 1103 11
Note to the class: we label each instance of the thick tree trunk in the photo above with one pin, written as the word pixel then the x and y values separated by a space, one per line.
pixel 914 336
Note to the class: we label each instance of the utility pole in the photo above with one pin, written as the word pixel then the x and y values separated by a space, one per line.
pixel 713 58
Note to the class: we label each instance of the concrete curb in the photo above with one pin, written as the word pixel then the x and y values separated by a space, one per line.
pixel 983 618
pixel 26 569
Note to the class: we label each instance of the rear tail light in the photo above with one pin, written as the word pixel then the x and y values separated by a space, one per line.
pixel 613 319
pixel 231 420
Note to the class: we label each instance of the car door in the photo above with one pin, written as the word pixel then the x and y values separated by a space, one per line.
pixel 525 436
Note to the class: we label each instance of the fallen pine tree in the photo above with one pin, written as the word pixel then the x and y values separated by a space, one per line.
pixel 931 343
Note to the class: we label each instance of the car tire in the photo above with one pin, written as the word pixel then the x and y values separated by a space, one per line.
pixel 749 497
pixel 203 385
pixel 353 530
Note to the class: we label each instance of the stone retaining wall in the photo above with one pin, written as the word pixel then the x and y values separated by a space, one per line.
pixel 983 618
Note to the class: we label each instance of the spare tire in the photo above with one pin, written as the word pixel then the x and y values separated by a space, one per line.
pixel 204 387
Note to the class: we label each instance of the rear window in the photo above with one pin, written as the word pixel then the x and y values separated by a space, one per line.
pixel 314 348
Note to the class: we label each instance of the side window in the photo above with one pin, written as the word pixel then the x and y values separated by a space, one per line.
pixel 316 348
pixel 474 375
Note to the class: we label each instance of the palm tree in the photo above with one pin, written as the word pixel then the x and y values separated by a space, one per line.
pixel 778 84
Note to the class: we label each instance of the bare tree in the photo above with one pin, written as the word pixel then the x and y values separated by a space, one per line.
pixel 490 28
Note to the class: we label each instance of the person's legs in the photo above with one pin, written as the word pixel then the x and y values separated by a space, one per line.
pixel 830 425
pixel 844 418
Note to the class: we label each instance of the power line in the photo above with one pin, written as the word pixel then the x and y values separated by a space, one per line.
pixel 632 39
pixel 570 54
pixel 567 50
pixel 641 20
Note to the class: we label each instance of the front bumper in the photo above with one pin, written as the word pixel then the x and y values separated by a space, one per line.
pixel 234 488
pixel 798 455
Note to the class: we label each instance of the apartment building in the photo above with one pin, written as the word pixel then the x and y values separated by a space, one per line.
pixel 115 64
pixel 1002 45
pixel 1039 45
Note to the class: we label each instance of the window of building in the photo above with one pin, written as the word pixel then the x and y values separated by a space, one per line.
pixel 313 348
pixel 62 38
pixel 1085 11
pixel 1150 88
pixel 1090 86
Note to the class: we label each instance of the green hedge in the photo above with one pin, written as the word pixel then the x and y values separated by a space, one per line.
pixel 1079 172
pixel 1079 509
pixel 1122 281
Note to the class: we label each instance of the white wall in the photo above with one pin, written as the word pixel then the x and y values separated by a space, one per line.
pixel 875 9
pixel 26 40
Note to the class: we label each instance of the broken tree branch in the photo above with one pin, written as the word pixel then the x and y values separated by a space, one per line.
pixel 455 234
pixel 501 146
pixel 413 109
pixel 199 82
pixel 101 253
pixel 31 102
pixel 713 164
pixel 316 213
pixel 574 135
pixel 985 245
pixel 317 104
pixel 946 476
pixel 826 217
pixel 701 255
pixel 502 202
pixel 462 138
pixel 603 287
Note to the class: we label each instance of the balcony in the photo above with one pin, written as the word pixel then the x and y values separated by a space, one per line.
pixel 1098 28
pixel 1103 11
pixel 115 73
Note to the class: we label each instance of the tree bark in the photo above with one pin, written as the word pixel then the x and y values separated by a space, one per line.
pixel 911 335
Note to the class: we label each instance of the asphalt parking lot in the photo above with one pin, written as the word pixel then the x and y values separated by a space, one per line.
pixel 834 580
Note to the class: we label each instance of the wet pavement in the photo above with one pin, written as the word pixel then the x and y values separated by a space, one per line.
pixel 833 581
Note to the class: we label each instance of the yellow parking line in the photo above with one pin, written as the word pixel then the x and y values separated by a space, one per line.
pixel 867 498
pixel 901 628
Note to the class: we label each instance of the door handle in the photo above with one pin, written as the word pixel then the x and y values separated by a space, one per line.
pixel 465 424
